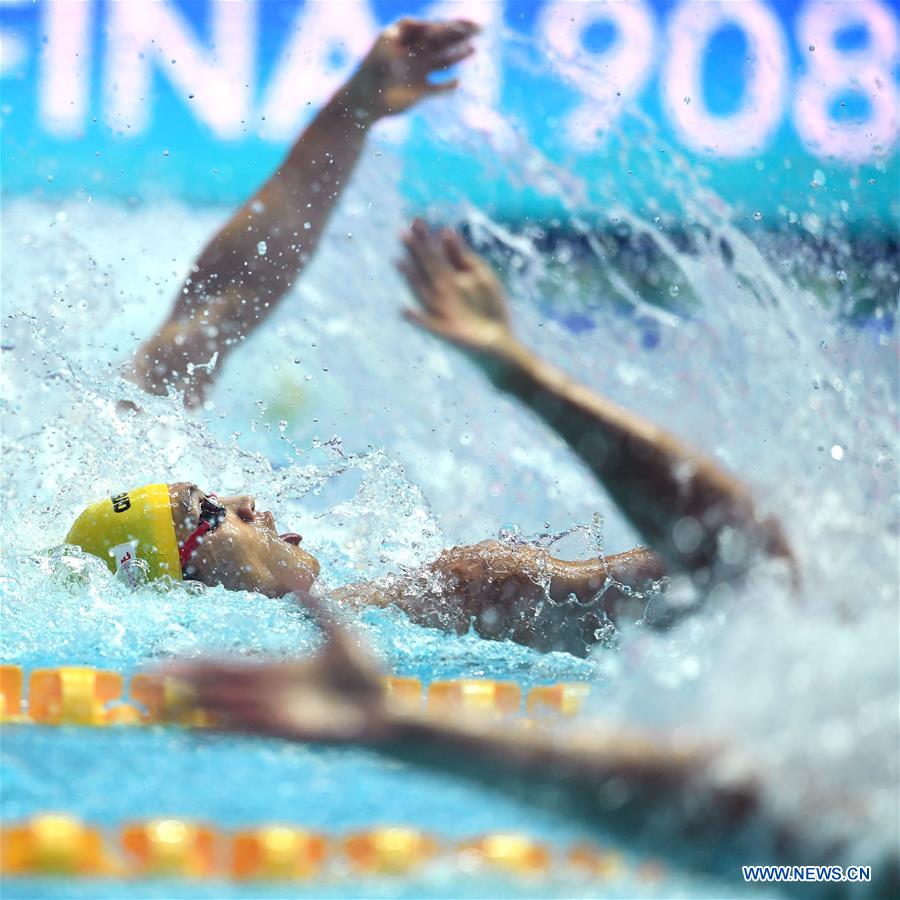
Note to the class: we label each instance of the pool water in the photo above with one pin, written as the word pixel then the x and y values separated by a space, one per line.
pixel 756 362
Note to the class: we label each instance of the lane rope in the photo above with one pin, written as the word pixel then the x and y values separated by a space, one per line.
pixel 59 845
pixel 80 695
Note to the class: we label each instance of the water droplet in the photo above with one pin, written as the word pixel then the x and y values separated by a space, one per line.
pixel 837 452
pixel 297 360
pixel 307 226
pixel 165 152
pixel 261 248
pixel 687 101
pixel 307 378
pixel 757 216
pixel 282 425
pixel 812 48
pixel 841 276
pixel 257 206
pixel 673 290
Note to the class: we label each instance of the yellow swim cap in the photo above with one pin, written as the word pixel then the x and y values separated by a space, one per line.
pixel 134 525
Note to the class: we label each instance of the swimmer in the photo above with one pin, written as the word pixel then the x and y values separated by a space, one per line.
pixel 701 800
pixel 501 590
pixel 233 287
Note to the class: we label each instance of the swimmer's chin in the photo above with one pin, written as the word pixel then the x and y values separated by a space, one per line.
pixel 299 580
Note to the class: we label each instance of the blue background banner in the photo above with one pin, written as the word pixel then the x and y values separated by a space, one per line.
pixel 199 98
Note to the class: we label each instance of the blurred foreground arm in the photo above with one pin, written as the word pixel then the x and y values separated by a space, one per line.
pixel 255 258
pixel 697 517
pixel 623 777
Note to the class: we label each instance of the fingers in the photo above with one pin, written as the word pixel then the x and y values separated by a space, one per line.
pixel 417 283
pixel 419 319
pixel 455 251
pixel 442 87
pixel 423 251
pixel 449 58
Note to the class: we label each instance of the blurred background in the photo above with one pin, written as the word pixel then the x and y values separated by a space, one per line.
pixel 199 98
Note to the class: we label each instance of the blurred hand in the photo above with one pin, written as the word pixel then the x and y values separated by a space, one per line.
pixel 462 301
pixel 336 696
pixel 394 74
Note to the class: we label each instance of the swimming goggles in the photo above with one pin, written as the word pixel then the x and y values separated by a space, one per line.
pixel 212 514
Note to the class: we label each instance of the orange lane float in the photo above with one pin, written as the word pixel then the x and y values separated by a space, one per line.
pixel 53 844
pixel 169 848
pixel 277 852
pixel 389 851
pixel 72 695
pixel 603 864
pixel 78 695
pixel 11 694
pixel 476 695
pixel 562 699
pixel 404 692
pixel 166 701
pixel 511 852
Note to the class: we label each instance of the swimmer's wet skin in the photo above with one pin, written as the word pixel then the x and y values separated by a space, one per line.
pixel 254 260
pixel 179 531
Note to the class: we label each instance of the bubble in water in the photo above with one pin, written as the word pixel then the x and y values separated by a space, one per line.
pixel 257 206
pixel 165 152
pixel 307 226
pixel 757 216
pixel 687 101
pixel 261 248
pixel 837 452
pixel 673 290
pixel 841 276
pixel 812 48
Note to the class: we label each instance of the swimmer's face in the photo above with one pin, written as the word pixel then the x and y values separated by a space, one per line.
pixel 244 552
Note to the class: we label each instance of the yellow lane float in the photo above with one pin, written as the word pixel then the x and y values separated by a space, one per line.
pixel 78 695
pixel 53 844
pixel 277 852
pixel 167 701
pixel 511 852
pixel 169 848
pixel 474 695
pixel 72 695
pixel 389 851
pixel 562 699
pixel 404 692
pixel 606 865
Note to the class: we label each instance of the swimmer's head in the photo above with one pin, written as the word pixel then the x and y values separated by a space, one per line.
pixel 180 531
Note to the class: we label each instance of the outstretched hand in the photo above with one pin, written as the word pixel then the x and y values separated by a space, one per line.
pixel 334 697
pixel 461 299
pixel 394 75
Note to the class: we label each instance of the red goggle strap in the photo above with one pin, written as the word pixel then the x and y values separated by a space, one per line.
pixel 189 547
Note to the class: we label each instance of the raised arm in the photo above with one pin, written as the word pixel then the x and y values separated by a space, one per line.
pixel 253 261
pixel 696 516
